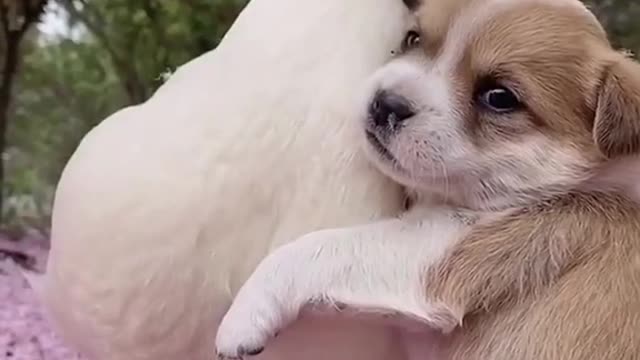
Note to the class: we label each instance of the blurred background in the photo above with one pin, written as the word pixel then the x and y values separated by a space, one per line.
pixel 67 64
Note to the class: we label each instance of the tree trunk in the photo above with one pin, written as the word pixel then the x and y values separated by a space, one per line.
pixel 9 70
pixel 31 11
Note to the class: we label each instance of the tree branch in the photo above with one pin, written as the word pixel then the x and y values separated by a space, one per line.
pixel 151 12
pixel 4 18
pixel 126 73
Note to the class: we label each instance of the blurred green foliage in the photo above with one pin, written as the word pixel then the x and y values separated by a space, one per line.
pixel 621 18
pixel 111 53
pixel 108 54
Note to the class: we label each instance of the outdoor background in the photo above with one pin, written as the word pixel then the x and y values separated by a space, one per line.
pixel 67 64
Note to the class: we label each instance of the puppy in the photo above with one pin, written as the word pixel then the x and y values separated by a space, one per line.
pixel 516 125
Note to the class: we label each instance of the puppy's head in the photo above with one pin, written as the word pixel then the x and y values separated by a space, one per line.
pixel 493 101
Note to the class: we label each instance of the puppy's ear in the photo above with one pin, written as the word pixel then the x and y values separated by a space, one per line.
pixel 616 128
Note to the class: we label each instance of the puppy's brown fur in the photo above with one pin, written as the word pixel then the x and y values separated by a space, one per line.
pixel 559 277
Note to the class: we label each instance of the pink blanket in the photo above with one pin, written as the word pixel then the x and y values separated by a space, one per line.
pixel 24 332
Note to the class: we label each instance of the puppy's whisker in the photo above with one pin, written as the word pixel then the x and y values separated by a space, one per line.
pixel 433 173
pixel 487 193
pixel 446 179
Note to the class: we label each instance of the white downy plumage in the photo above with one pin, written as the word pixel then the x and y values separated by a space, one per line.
pixel 166 208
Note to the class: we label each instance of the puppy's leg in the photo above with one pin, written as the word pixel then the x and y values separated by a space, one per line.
pixel 378 267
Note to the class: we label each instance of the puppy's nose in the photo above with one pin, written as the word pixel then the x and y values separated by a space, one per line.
pixel 389 110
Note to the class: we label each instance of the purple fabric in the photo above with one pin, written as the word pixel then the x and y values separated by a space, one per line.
pixel 24 331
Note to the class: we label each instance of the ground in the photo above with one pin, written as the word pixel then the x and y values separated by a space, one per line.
pixel 24 331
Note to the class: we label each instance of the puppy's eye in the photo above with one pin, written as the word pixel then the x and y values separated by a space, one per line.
pixel 500 99
pixel 411 40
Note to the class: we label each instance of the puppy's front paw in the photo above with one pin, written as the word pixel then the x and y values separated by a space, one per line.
pixel 248 326
pixel 269 300
pixel 273 296
pixel 253 319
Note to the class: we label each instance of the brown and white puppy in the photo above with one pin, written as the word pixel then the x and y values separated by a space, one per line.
pixel 517 125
